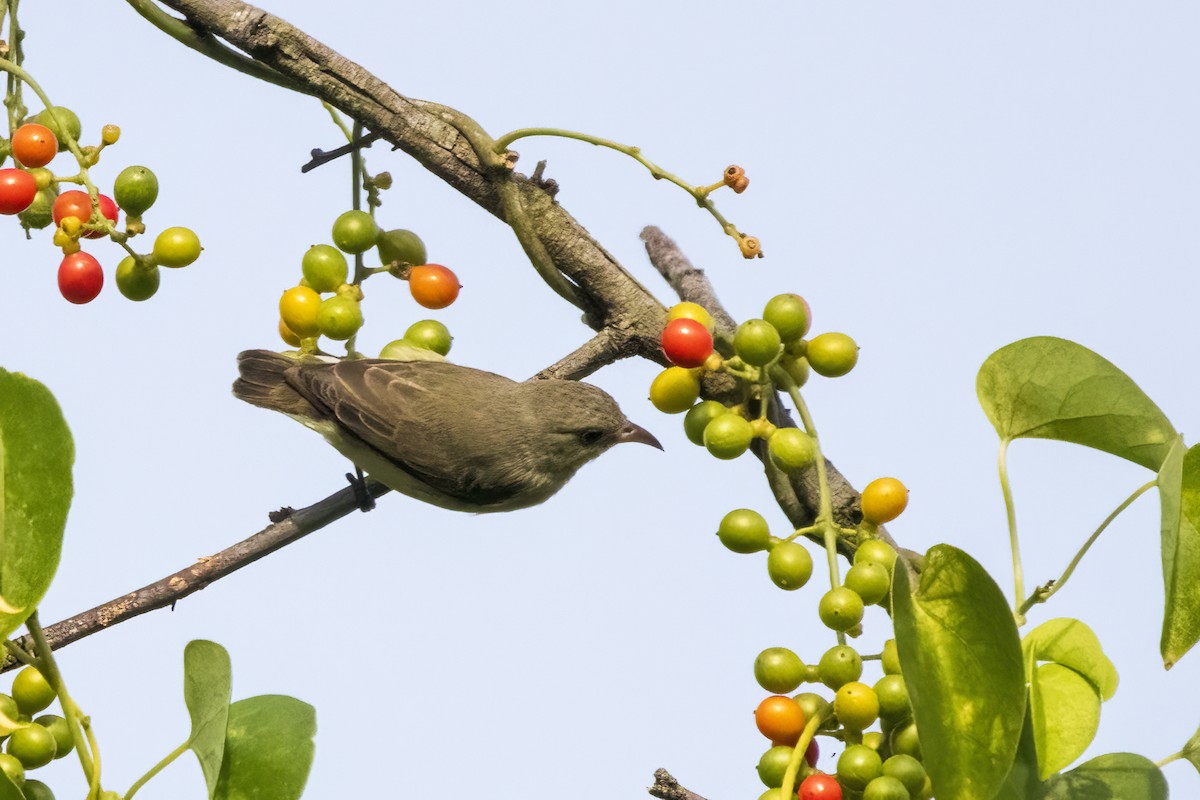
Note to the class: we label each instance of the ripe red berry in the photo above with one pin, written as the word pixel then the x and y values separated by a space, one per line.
pixel 17 190
pixel 80 278
pixel 686 342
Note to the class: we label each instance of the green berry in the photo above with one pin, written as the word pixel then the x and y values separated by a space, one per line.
pixel 831 354
pixel 135 190
pixel 430 334
pixel 908 771
pixel 137 283
pixel 840 665
pixel 31 691
pixel 60 121
pixel 790 315
pixel 891 658
pixel 728 436
pixel 60 730
pixel 789 565
pixel 33 746
pixel 744 531
pixel 674 390
pixel 885 787
pixel 858 766
pixel 324 267
pixel 876 551
pixel 791 449
pixel 355 232
pixel 402 247
pixel 773 765
pixel 404 350
pixel 840 609
pixel 869 580
pixel 698 417
pixel 756 342
pixel 779 670
pixel 339 318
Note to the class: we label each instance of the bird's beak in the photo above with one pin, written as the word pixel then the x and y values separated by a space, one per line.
pixel 636 433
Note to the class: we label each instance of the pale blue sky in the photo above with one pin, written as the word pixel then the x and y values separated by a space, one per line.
pixel 937 179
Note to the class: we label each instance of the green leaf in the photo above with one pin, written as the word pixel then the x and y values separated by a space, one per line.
pixel 1179 495
pixel 36 454
pixel 268 749
pixel 8 789
pixel 1073 644
pixel 1022 782
pixel 1048 388
pixel 1066 715
pixel 1116 776
pixel 206 687
pixel 961 657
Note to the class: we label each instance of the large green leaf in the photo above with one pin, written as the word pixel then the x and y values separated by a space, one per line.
pixel 1179 494
pixel 206 686
pixel 268 749
pixel 961 658
pixel 1066 715
pixel 1022 782
pixel 1073 644
pixel 36 454
pixel 1048 388
pixel 1116 776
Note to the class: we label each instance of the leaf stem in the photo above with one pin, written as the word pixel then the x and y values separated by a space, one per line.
pixel 793 767
pixel 1014 542
pixel 1045 592
pixel 157 768
pixel 1169 759
pixel 80 726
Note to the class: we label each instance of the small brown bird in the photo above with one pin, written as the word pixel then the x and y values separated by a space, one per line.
pixel 456 437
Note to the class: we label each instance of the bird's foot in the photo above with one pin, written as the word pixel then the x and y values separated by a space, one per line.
pixel 362 497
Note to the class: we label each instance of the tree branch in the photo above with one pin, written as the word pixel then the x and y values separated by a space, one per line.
pixel 290 526
pixel 432 138
pixel 667 788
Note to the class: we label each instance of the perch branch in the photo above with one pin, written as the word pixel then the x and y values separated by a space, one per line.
pixel 291 526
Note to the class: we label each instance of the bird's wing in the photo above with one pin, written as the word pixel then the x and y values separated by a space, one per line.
pixel 406 411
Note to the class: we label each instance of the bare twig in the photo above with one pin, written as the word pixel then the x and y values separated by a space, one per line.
pixel 322 157
pixel 604 348
pixel 169 590
pixel 667 788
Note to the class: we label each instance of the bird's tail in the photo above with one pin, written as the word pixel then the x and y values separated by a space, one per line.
pixel 262 382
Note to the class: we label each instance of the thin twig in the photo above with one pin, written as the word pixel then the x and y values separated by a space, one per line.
pixel 667 788
pixel 169 590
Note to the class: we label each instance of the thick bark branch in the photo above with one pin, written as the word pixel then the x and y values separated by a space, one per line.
pixel 434 137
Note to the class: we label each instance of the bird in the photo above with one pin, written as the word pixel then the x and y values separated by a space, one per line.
pixel 459 438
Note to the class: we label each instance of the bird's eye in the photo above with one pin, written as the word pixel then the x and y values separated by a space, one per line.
pixel 591 437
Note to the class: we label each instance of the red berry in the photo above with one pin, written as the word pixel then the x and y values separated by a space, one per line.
pixel 80 278
pixel 686 342
pixel 17 190
pixel 820 786
pixel 79 204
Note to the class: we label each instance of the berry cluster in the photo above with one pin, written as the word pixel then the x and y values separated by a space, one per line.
pixel 304 315
pixel 879 764
pixel 32 192
pixel 30 743
pixel 771 349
